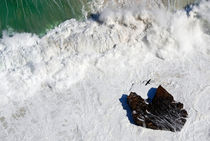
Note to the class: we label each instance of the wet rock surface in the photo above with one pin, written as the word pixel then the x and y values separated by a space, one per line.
pixel 162 113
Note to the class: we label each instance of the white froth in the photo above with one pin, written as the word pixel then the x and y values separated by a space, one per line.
pixel 67 85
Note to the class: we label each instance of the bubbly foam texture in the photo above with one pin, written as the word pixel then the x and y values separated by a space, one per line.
pixel 67 84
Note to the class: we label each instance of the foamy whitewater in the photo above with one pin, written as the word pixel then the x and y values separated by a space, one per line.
pixel 66 85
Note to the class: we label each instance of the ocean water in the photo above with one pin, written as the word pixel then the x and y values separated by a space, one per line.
pixel 39 16
pixel 67 84
pixel 36 16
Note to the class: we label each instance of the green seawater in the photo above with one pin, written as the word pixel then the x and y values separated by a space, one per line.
pixel 38 16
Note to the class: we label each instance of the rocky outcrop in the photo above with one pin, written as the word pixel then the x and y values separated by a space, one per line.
pixel 163 113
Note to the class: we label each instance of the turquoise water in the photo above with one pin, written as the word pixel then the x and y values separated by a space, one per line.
pixel 36 16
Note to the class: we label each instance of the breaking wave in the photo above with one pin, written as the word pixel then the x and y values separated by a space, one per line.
pixel 66 85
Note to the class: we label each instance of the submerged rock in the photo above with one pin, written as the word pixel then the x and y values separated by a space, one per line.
pixel 163 113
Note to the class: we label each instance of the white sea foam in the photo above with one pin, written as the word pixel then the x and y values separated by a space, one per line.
pixel 67 85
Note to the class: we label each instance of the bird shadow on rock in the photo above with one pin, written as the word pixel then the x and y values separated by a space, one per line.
pixel 151 94
pixel 126 107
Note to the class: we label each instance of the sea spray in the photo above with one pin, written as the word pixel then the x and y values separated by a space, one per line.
pixel 39 16
pixel 67 84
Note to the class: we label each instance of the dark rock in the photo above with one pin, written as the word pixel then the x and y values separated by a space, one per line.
pixel 163 113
